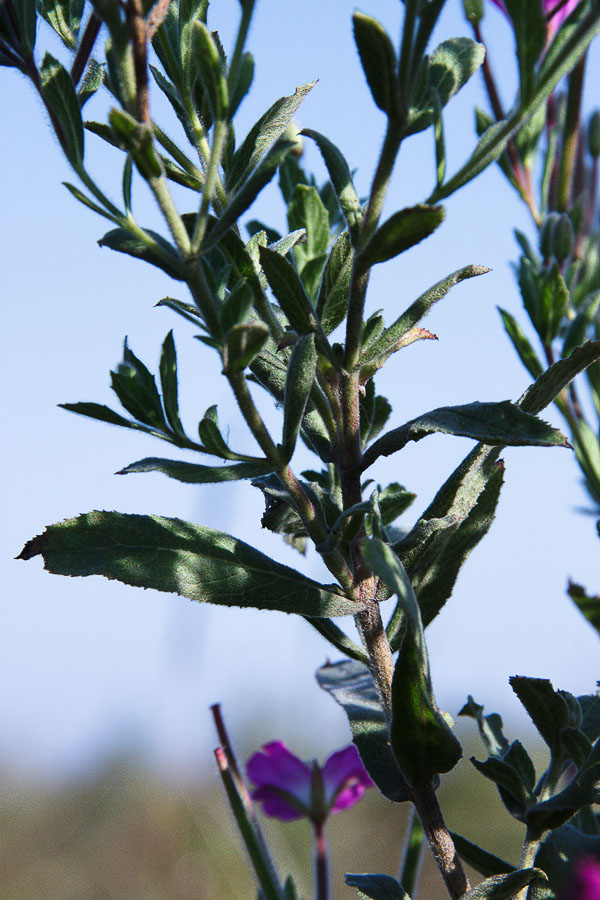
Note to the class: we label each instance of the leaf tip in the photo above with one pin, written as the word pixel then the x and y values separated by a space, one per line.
pixel 34 547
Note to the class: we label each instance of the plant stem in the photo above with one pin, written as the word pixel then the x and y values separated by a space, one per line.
pixel 439 839
pixel 321 864
pixel 171 216
pixel 571 137
pixel 212 177
pixel 412 856
pixel 528 853
pixel 86 45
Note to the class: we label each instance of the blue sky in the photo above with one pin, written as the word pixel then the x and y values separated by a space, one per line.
pixel 90 668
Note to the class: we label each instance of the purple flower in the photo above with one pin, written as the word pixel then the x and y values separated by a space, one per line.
pixel 290 789
pixel 555 19
pixel 585 881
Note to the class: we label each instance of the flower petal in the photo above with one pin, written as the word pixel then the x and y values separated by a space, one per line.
pixel 345 779
pixel 276 767
pixel 278 804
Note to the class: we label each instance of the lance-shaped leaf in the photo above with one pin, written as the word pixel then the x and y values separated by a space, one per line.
pixel 419 309
pixel 184 558
pixel 422 742
pixel 248 192
pixel 514 776
pixel 525 351
pixel 25 14
pixel 59 93
pixel 105 414
pixel 288 290
pixel 490 728
pixel 504 887
pixel 242 345
pixel 210 70
pixel 300 378
pixel 152 248
pixel 581 791
pixel 306 210
pixel 191 473
pixel 376 887
pixel 401 231
pixel 495 424
pixel 341 179
pixel 378 60
pixel 484 862
pixel 549 710
pixel 64 17
pixel 450 66
pixel 169 385
pixel 587 604
pixel 136 389
pixel 529 27
pixel 334 293
pixel 263 134
pixel 351 685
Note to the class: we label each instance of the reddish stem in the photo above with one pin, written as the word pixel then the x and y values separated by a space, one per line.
pixel 321 864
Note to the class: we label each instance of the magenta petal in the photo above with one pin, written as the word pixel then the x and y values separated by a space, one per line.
pixel 277 768
pixel 585 884
pixel 276 805
pixel 500 5
pixel 558 18
pixel 345 779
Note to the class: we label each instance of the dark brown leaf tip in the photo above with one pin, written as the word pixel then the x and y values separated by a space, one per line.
pixel 34 547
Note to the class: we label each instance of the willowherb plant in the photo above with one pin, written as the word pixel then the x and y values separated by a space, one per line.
pixel 272 308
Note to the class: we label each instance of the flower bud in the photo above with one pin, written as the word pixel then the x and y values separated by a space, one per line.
pixel 546 233
pixel 473 11
pixel 593 134
pixel 563 238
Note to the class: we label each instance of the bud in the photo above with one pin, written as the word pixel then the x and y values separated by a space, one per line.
pixel 473 11
pixel 546 234
pixel 593 134
pixel 563 238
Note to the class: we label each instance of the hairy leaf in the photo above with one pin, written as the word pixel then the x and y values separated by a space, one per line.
pixel 191 473
pixel 180 557
pixel 400 232
pixel 376 887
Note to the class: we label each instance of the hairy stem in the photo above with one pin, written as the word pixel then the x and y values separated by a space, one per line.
pixel 439 839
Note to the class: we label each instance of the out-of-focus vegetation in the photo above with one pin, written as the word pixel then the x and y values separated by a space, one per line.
pixel 126 834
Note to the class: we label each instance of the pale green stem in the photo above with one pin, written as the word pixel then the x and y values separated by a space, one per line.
pixel 212 177
pixel 172 218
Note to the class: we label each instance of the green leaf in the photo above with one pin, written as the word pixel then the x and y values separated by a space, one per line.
pixel 152 248
pixel 378 60
pixel 24 12
pixel 548 709
pixel 457 518
pixel 191 473
pixel 248 192
pixel 243 83
pixel 341 179
pixel 65 18
pixel 393 501
pixel 137 139
pixel 504 887
pixel 490 729
pixel 479 859
pixel 515 795
pixel 210 70
pixel 400 232
pixel 105 414
pixel 91 81
pixel 83 198
pixel 59 93
pixel 306 210
pixel 351 685
pixel 242 345
pixel 529 27
pixel 376 887
pixel 288 290
pixel 263 134
pixel 495 139
pixel 184 558
pixel 211 437
pixel 525 351
pixel 300 378
pixel 334 293
pixel 588 605
pixel 553 380
pixel 421 740
pixel 553 303
pixel 503 424
pixel 450 66
pixel 136 389
pixel 236 306
pixel 581 791
pixel 169 386
pixel 189 12
pixel 419 309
